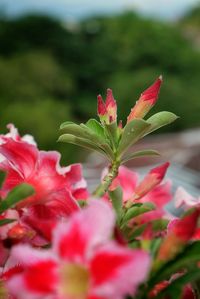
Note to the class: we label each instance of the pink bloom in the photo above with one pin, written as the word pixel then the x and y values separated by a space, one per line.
pixel 146 101
pixel 57 188
pixel 84 263
pixel 14 134
pixel 54 185
pixel 151 180
pixel 184 199
pixel 107 111
pixel 149 189
pixel 180 231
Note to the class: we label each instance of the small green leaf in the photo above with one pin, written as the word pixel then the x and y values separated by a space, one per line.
pixel 117 201
pixel 18 194
pixel 6 221
pixel 136 211
pixel 96 127
pixel 159 120
pixel 133 131
pixel 139 154
pixel 66 123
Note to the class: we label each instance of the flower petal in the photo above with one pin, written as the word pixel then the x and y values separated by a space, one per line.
pixel 117 271
pixel 76 240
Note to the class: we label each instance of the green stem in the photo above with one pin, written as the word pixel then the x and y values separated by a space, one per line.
pixel 107 180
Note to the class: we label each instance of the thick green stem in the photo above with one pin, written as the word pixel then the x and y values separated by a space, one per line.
pixel 107 180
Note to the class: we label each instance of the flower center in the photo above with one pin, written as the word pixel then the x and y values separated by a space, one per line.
pixel 74 281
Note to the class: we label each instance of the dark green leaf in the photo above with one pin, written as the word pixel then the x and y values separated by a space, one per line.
pixel 189 256
pixel 19 193
pixel 2 177
pixel 6 221
pixel 174 290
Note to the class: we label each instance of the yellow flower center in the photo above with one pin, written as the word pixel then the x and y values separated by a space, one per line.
pixel 74 281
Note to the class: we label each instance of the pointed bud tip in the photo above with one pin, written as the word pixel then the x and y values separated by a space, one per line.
pixel 110 101
pixel 101 109
pixel 151 93
pixel 160 171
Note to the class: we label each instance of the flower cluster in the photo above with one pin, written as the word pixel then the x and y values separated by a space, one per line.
pixel 59 241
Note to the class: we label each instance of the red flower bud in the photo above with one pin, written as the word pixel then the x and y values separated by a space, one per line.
pixel 151 180
pixel 146 101
pixel 181 231
pixel 107 111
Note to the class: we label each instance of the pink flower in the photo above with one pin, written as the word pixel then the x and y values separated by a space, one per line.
pixel 54 185
pixel 146 101
pixel 83 263
pixel 107 111
pixel 57 188
pixel 180 231
pixel 149 189
pixel 184 200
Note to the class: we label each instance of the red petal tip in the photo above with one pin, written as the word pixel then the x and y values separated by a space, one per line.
pixel 110 101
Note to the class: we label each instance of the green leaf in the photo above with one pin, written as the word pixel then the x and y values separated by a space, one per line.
pixel 174 290
pixel 74 129
pixel 136 211
pixel 6 221
pixel 112 133
pixel 2 177
pixel 82 203
pixel 65 124
pixel 190 255
pixel 96 127
pixel 92 136
pixel 68 138
pixel 117 201
pixel 18 194
pixel 84 131
pixel 159 120
pixel 138 231
pixel 133 131
pixel 159 224
pixel 139 154
pixel 100 139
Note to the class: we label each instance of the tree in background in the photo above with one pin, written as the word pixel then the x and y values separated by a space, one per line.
pixel 50 71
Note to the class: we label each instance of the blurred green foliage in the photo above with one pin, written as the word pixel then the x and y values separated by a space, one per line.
pixel 51 72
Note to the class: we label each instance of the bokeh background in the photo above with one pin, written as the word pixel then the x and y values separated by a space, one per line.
pixel 56 56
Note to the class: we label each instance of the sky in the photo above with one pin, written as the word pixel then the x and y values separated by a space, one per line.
pixel 66 9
